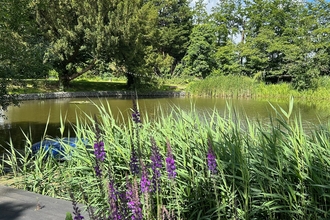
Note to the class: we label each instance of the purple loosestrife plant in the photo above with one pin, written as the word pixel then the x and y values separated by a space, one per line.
pixel 76 210
pixel 99 151
pixel 123 203
pixel 113 201
pixel 170 163
pixel 156 165
pixel 145 182
pixel 134 162
pixel 134 204
pixel 97 169
pixel 211 159
pixel 136 114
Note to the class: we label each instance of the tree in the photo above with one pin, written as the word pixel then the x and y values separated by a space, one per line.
pixel 174 25
pixel 320 34
pixel 199 60
pixel 83 33
pixel 276 42
pixel 200 15
pixel 229 18
pixel 21 49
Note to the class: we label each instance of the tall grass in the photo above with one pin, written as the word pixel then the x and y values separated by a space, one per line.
pixel 245 87
pixel 272 170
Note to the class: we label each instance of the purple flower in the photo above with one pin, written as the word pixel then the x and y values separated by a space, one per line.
pixel 76 210
pixel 170 163
pixel 136 114
pixel 145 182
pixel 134 162
pixel 123 201
pixel 134 204
pixel 211 159
pixel 156 164
pixel 99 150
pixel 97 169
pixel 114 212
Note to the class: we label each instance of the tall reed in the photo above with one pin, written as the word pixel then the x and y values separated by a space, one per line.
pixel 226 167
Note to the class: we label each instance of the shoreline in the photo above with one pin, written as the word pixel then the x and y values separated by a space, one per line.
pixel 119 94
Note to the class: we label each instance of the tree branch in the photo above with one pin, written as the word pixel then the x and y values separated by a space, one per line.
pixel 89 67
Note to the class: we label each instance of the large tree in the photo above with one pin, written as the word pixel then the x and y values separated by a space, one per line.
pixel 83 33
pixel 21 49
pixel 199 60
pixel 174 26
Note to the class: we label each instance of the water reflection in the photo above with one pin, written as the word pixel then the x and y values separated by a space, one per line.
pixel 31 116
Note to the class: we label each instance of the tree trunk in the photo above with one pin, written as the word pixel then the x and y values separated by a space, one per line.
pixel 64 81
pixel 130 80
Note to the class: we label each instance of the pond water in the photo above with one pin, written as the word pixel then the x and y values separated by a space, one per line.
pixel 31 117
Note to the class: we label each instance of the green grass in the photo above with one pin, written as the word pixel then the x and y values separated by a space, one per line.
pixel 272 170
pixel 44 86
pixel 245 87
pixel 93 84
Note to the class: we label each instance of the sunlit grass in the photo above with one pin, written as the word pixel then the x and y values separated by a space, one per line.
pixel 245 87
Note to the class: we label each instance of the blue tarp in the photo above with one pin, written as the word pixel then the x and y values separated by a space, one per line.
pixel 54 148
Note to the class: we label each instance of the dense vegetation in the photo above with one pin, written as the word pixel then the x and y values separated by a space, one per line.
pixel 220 166
pixel 187 166
pixel 270 41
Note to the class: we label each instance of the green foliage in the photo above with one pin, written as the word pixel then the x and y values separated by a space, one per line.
pixel 174 24
pixel 68 216
pixel 21 48
pixel 223 86
pixel 199 60
pixel 266 170
pixel 83 35
pixel 227 60
pixel 276 38
pixel 200 15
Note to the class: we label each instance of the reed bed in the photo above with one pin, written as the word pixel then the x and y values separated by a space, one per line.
pixel 246 87
pixel 187 166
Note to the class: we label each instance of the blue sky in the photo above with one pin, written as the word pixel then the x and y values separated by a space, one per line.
pixel 212 3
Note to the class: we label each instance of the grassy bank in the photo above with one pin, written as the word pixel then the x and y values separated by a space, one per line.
pixel 219 86
pixel 188 166
pixel 94 84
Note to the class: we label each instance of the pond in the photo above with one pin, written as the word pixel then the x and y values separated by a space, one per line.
pixel 32 116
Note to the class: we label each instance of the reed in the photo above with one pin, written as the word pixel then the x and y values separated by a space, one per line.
pixel 245 87
pixel 226 167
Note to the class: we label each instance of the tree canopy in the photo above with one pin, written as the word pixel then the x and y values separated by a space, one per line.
pixel 82 34
pixel 21 48
pixel 270 40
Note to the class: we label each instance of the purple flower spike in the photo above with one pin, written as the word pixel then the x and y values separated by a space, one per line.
pixel 136 114
pixel 211 159
pixel 99 151
pixel 156 165
pixel 145 182
pixel 134 162
pixel 170 163
pixel 134 204
pixel 98 171
pixel 76 210
pixel 114 212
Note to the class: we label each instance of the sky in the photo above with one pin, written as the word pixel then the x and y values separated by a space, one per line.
pixel 212 3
